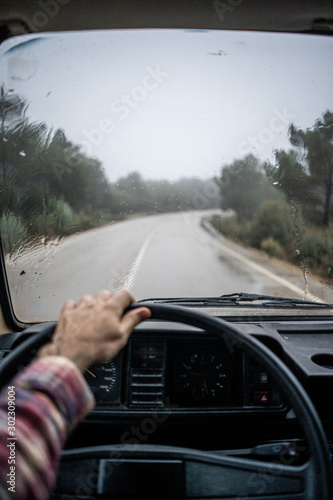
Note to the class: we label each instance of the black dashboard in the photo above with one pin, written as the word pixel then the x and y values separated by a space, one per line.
pixel 178 385
pixel 181 372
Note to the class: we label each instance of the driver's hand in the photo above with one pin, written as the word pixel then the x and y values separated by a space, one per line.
pixel 95 329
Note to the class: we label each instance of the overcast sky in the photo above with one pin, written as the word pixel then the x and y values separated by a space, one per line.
pixel 172 103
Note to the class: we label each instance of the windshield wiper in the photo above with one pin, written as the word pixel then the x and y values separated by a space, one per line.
pixel 242 299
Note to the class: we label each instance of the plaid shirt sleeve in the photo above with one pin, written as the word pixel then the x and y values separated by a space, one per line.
pixel 51 397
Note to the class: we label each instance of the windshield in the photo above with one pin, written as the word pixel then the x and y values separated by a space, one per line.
pixel 171 163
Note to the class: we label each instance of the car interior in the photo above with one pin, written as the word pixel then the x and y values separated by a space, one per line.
pixel 225 393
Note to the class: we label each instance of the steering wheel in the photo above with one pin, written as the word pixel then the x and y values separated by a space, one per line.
pixel 154 471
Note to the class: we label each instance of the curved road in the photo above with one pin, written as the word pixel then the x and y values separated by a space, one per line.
pixel 168 255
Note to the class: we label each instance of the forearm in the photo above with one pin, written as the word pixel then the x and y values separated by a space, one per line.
pixel 51 396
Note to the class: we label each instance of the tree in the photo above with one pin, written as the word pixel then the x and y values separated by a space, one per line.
pixel 290 175
pixel 244 186
pixel 318 145
pixel 309 180
pixel 273 220
pixel 12 116
pixel 45 179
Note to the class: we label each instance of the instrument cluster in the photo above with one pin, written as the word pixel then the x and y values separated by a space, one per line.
pixel 181 373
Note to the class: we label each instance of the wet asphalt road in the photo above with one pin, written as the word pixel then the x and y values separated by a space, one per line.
pixel 168 255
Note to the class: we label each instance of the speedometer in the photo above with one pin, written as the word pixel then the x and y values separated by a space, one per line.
pixel 104 382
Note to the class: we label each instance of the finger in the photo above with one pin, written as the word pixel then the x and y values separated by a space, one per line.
pixel 104 295
pixel 87 300
pixel 70 304
pixel 120 301
pixel 133 318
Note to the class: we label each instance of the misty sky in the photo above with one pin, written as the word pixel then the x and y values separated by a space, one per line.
pixel 171 103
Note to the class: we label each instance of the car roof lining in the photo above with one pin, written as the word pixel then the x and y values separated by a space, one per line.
pixel 268 15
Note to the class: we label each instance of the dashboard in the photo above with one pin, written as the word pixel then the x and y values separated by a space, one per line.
pixel 183 373
pixel 178 385
pixel 174 384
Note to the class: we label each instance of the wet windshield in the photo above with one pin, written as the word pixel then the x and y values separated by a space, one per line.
pixel 170 163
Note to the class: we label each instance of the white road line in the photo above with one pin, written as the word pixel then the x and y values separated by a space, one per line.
pixel 129 280
pixel 267 273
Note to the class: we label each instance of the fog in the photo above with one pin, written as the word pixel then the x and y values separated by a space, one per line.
pixel 169 103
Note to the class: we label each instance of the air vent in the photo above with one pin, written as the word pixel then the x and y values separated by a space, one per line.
pixel 147 374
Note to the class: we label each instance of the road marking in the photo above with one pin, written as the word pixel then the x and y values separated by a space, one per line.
pixel 267 273
pixel 129 280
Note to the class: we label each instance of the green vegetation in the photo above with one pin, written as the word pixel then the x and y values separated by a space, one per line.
pixel 244 187
pixel 273 219
pixel 311 249
pixel 272 247
pixel 305 174
pixel 13 232
pixel 45 180
pixel 135 194
pixel 285 209
pixel 50 188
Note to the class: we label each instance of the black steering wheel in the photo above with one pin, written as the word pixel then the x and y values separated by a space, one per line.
pixel 153 471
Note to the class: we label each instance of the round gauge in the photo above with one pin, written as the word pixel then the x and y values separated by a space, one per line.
pixel 202 377
pixel 102 380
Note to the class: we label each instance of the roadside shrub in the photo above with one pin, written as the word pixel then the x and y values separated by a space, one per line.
pixel 283 235
pixel 82 221
pixel 273 220
pixel 313 246
pixel 61 217
pixel 13 232
pixel 231 228
pixel 272 247
pixel 57 221
pixel 228 226
pixel 327 266
pixel 316 251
